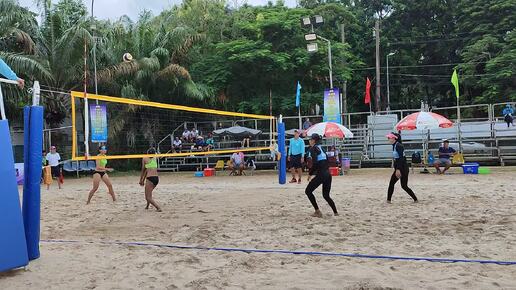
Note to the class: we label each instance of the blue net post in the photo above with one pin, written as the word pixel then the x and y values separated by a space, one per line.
pixel 282 149
pixel 33 138
pixel 13 249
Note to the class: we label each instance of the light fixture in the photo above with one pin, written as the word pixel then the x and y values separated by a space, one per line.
pixel 317 20
pixel 310 37
pixel 312 47
pixel 391 54
pixel 305 21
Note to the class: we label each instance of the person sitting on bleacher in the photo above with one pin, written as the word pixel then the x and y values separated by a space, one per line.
pixel 178 145
pixel 210 142
pixel 186 136
pixel 200 144
pixel 237 162
pixel 445 153
pixel 194 134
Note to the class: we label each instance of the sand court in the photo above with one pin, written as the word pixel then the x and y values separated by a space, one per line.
pixel 459 216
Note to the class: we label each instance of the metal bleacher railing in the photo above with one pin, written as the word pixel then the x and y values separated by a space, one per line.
pixel 484 137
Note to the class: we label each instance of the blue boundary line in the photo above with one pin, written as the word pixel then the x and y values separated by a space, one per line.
pixel 309 253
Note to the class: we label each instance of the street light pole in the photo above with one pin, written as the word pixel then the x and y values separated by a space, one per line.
pixel 388 84
pixel 330 69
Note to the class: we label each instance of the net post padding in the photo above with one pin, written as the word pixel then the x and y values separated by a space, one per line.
pixel 13 246
pixel 33 142
pixel 283 153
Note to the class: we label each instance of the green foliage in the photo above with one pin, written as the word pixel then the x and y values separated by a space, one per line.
pixel 207 53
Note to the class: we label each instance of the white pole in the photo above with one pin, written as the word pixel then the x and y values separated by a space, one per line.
pixel 330 65
pixel 299 114
pixel 86 127
pixel 388 89
pixel 459 123
pixel 36 94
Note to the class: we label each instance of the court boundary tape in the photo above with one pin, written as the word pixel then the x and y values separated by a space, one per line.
pixel 307 253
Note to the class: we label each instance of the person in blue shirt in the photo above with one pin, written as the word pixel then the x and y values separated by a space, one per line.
pixel 321 170
pixel 8 73
pixel 296 155
pixel 401 169
pixel 508 115
pixel 445 152
pixel 307 124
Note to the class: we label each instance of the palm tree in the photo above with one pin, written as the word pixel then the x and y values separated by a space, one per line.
pixel 18 29
pixel 156 74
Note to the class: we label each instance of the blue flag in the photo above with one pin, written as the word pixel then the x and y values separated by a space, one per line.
pixel 298 94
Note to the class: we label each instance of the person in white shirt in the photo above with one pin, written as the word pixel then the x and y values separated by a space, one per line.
pixel 194 133
pixel 178 145
pixel 53 159
pixel 186 136
pixel 237 162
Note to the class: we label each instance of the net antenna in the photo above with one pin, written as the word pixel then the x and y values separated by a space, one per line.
pixel 154 108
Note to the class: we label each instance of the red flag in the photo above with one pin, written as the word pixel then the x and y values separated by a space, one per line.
pixel 367 99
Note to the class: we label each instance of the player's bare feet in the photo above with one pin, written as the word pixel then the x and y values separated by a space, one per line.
pixel 317 214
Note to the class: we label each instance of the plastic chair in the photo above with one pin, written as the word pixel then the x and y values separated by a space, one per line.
pixel 92 165
pixel 219 165
pixel 458 159
pixel 75 166
pixel 83 166
pixel 67 166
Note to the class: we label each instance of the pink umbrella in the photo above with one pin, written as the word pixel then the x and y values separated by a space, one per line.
pixel 423 121
pixel 330 130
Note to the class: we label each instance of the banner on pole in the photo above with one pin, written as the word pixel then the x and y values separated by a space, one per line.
pixel 98 119
pixel 332 106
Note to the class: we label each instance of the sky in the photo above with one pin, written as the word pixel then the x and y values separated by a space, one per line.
pixel 113 9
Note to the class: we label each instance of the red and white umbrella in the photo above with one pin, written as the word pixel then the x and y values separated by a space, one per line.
pixel 330 130
pixel 423 121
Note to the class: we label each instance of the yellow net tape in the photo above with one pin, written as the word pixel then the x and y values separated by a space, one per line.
pixel 186 154
pixel 82 95
pixel 168 106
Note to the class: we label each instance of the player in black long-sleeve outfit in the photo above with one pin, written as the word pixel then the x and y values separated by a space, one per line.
pixel 322 174
pixel 401 169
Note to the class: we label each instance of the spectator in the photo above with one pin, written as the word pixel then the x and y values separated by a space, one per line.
pixel 307 124
pixel 508 114
pixel 199 143
pixel 43 164
pixel 186 135
pixel 246 140
pixel 296 155
pixel 210 142
pixel 333 156
pixel 445 152
pixel 274 150
pixel 44 159
pixel 237 163
pixel 53 159
pixel 178 145
pixel 194 133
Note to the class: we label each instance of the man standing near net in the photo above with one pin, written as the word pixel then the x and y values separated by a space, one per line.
pixel 296 155
pixel 53 159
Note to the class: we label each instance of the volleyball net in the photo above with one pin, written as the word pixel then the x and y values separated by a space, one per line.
pixel 129 127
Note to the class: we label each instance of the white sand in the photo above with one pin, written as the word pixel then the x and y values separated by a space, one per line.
pixel 459 216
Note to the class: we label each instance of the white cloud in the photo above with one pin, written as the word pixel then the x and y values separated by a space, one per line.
pixel 113 9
